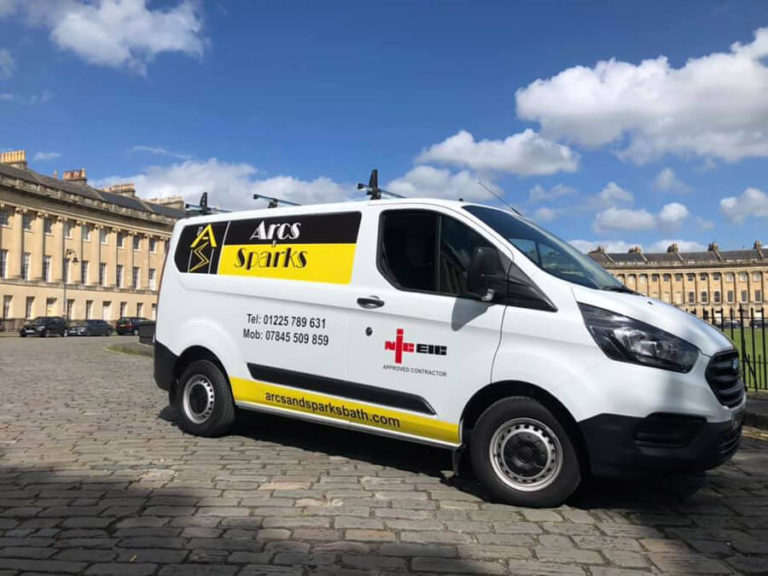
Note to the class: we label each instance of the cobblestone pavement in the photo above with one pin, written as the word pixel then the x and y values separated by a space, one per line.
pixel 95 478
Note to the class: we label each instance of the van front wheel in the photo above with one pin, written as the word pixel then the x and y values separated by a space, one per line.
pixel 523 455
pixel 203 400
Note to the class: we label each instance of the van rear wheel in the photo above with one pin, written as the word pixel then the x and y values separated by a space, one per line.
pixel 523 455
pixel 203 400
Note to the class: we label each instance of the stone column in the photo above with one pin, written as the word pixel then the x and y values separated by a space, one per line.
pixel 57 252
pixel 16 253
pixel 37 246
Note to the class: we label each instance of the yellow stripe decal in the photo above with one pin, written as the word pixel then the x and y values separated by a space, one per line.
pixel 330 263
pixel 344 410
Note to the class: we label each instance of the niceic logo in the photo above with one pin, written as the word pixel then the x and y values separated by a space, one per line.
pixel 400 346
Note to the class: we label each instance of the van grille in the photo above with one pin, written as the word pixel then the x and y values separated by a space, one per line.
pixel 723 377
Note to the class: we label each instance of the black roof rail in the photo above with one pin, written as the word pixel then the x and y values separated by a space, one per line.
pixel 273 201
pixel 373 190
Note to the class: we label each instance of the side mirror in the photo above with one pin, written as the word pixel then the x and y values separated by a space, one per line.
pixel 483 268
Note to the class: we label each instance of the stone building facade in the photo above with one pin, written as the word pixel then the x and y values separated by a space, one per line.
pixel 703 283
pixel 68 249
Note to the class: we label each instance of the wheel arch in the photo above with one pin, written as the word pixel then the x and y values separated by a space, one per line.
pixel 193 353
pixel 496 391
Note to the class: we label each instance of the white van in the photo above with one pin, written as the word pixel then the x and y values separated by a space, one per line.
pixel 442 322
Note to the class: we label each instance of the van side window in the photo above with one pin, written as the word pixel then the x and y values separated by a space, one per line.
pixel 427 252
pixel 408 249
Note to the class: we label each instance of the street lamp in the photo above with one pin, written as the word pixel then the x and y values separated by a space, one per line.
pixel 68 253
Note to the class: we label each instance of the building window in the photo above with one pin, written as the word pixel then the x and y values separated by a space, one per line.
pixel 716 276
pixel 26 265
pixel 47 268
pixel 50 306
pixel 140 310
pixel 691 297
pixel 85 230
pixel 3 263
pixel 5 217
pixel 743 276
pixel 729 277
pixel 26 222
pixel 68 229
pixel 690 277
pixel 758 295
pixel 48 226
pixel 744 297
pixel 102 274
pixel 152 279
pixel 757 277
pixel 137 243
pixel 716 297
pixel 704 297
pixel 70 308
pixel 89 309
pixel 119 275
pixel 154 311
pixel 84 272
pixel 7 306
pixel 120 240
pixel 678 277
pixel 730 296
pixel 106 310
pixel 642 279
pixel 667 277
pixel 136 277
pixel 103 234
pixel 123 306
pixel 29 307
pixel 655 277
pixel 703 277
pixel 152 245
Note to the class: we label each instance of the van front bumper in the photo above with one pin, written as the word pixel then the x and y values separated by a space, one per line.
pixel 672 443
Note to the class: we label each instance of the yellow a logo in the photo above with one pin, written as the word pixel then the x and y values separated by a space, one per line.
pixel 207 233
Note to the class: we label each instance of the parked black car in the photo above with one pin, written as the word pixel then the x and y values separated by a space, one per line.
pixel 44 326
pixel 731 323
pixel 130 325
pixel 90 328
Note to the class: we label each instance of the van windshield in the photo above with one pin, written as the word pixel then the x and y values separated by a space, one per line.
pixel 547 251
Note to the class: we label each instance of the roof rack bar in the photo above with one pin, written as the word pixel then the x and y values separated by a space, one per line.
pixel 202 207
pixel 273 201
pixel 373 190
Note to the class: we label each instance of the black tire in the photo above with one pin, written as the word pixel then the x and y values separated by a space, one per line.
pixel 534 461
pixel 204 400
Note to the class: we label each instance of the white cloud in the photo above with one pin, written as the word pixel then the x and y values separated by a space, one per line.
pixel 229 185
pixel 7 64
pixel 682 246
pixel 160 151
pixel 670 217
pixel 540 194
pixel 45 156
pixel 751 202
pixel 612 219
pixel 667 181
pixel 438 183
pixel 612 195
pixel 116 33
pixel 525 154
pixel 619 246
pixel 544 214
pixel 704 224
pixel 587 246
pixel 713 106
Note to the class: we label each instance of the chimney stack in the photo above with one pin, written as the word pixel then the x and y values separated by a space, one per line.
pixel 672 248
pixel 636 250
pixel 75 176
pixel 15 158
pixel 170 202
pixel 125 189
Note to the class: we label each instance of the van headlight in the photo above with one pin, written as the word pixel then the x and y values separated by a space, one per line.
pixel 628 340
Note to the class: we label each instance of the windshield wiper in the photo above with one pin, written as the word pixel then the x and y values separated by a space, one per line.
pixel 619 289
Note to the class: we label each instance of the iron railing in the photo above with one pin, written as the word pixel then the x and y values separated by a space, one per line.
pixel 747 330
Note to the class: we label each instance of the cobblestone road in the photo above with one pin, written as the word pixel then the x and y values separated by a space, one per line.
pixel 95 478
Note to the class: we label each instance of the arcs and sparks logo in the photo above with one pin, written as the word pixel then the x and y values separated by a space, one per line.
pixel 202 248
pixel 399 345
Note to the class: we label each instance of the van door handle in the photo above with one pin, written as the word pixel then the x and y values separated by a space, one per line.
pixel 370 303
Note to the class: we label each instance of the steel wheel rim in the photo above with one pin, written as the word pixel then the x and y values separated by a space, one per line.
pixel 526 454
pixel 198 399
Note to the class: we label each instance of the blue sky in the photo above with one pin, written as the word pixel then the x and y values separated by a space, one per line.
pixel 610 123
